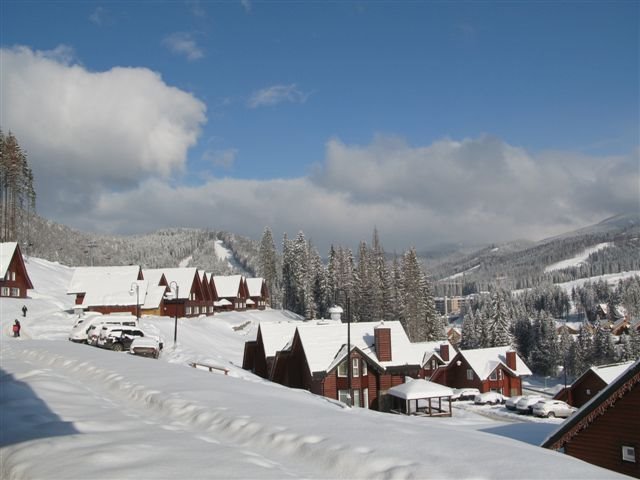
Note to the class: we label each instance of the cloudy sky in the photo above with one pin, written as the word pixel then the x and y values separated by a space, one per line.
pixel 432 121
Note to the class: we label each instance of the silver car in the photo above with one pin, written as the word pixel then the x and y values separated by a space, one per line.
pixel 553 408
pixel 526 403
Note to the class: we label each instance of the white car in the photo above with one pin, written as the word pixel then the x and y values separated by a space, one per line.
pixel 465 393
pixel 511 402
pixel 93 332
pixel 526 403
pixel 492 398
pixel 553 408
pixel 146 347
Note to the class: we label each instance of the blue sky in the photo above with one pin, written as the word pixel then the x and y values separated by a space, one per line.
pixel 364 114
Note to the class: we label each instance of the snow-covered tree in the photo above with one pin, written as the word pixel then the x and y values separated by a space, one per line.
pixel 268 267
pixel 500 326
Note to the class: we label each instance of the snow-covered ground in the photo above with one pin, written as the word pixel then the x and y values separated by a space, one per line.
pixel 578 259
pixel 611 278
pixel 74 411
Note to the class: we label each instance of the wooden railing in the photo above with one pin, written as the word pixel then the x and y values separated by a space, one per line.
pixel 211 368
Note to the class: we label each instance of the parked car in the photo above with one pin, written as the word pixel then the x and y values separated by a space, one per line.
pixel 526 403
pixel 118 337
pixel 511 402
pixel 146 347
pixel 553 408
pixel 464 393
pixel 93 332
pixel 492 398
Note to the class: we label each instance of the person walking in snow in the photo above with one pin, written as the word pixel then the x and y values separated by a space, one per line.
pixel 16 328
pixel 24 310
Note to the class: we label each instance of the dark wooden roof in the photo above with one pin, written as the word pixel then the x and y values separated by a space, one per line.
pixel 596 407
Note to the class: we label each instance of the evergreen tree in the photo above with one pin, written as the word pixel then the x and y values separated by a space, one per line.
pixel 544 357
pixel 500 324
pixel 413 289
pixel 469 341
pixel 268 267
pixel 524 336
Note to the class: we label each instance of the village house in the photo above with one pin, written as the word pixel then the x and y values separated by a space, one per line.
pixel 317 359
pixel 14 279
pixel 606 430
pixel 432 356
pixel 190 300
pixel 587 385
pixel 498 369
pixel 108 289
pixel 258 293
pixel 232 292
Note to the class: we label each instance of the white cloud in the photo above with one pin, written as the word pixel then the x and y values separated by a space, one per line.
pixel 246 4
pixel 87 132
pixel 276 94
pixel 98 16
pixel 221 158
pixel 183 43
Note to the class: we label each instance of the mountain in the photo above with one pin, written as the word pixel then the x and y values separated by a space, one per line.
pixel 610 246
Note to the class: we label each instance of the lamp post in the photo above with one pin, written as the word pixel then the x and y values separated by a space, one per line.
pixel 349 366
pixel 136 285
pixel 175 326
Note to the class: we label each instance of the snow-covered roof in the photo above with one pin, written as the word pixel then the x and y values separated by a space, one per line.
pixel 115 293
pixel 424 350
pixel 420 388
pixel 483 361
pixel 183 276
pixel 222 303
pixel 6 254
pixel 275 336
pixel 323 344
pixel 154 296
pixel 153 275
pixel 86 279
pixel 228 285
pixel 608 373
pixel 254 285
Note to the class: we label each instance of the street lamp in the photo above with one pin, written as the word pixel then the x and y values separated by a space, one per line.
pixel 175 327
pixel 136 285
pixel 349 366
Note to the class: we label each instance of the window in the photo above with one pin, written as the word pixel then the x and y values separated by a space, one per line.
pixel 365 397
pixel 342 369
pixel 364 368
pixel 343 396
pixel 356 398
pixel 187 311
pixel 13 276
pixel 469 374
pixel 493 376
pixel 355 362
pixel 196 310
pixel 500 375
pixel 434 364
pixel 15 292
pixel 5 291
pixel 628 454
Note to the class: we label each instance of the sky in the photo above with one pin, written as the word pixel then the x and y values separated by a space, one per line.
pixel 83 411
pixel 434 122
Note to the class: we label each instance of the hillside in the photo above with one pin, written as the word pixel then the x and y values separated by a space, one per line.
pixel 609 247
pixel 74 411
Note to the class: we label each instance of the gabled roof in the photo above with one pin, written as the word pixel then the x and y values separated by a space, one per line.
pixel 608 373
pixel 275 336
pixel 254 285
pixel 183 276
pixel 227 286
pixel 322 344
pixel 7 251
pixel 153 275
pixel 107 280
pixel 420 388
pixel 483 361
pixel 113 292
pixel 596 407
pixel 154 296
pixel 423 351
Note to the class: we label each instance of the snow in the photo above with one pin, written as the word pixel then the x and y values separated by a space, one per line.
pixel 608 373
pixel 227 286
pixel 611 278
pixel 6 254
pixel 107 285
pixel 420 388
pixel 254 286
pixel 73 411
pixel 183 276
pixel 461 274
pixel 578 260
pixel 483 361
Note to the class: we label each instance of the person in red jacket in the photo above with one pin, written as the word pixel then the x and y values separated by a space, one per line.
pixel 16 328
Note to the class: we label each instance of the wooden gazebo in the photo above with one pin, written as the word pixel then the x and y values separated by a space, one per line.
pixel 421 397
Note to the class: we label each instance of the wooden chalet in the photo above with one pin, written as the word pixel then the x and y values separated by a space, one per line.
pixel 157 289
pixel 432 356
pixel 208 293
pixel 258 293
pixel 108 289
pixel 498 369
pixel 606 430
pixel 14 279
pixel 232 293
pixel 190 300
pixel 380 357
pixel 587 385
pixel 454 335
pixel 260 354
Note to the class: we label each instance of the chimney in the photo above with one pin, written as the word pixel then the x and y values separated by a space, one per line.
pixel 444 352
pixel 382 337
pixel 511 360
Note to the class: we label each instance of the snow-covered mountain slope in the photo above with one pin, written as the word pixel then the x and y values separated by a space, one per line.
pixel 73 411
pixel 577 260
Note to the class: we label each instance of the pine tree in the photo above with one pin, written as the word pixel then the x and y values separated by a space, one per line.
pixel 413 288
pixel 268 267
pixel 544 356
pixel 500 324
pixel 469 340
